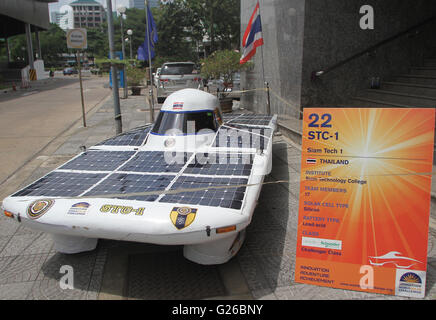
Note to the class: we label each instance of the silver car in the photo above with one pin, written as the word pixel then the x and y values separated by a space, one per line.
pixel 175 76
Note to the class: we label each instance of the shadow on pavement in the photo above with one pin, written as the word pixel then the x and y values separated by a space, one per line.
pixel 265 258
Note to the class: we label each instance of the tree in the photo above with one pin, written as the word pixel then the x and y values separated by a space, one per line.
pixel 219 20
pixel 53 44
pixel 222 63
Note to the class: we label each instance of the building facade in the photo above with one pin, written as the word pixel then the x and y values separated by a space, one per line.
pixel 64 18
pixel 140 4
pixel 303 38
pixel 87 13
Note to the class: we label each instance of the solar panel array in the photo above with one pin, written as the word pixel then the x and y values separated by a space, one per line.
pixel 133 137
pixel 121 183
pixel 157 161
pixel 221 164
pixel 249 119
pixel 61 184
pixel 242 137
pixel 213 191
pixel 98 160
pixel 221 176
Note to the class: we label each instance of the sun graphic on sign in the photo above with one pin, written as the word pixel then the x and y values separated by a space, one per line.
pixel 386 184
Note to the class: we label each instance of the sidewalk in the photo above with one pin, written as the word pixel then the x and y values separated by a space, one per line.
pixel 263 269
pixel 29 266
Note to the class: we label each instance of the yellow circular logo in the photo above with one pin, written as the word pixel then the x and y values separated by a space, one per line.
pixel 38 208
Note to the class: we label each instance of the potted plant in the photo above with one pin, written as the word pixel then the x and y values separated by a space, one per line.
pixel 135 79
pixel 222 65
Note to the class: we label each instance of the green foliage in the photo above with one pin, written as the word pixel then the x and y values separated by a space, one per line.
pixel 182 26
pixel 135 76
pixel 222 63
pixel 219 20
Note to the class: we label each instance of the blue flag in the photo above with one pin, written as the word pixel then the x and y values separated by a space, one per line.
pixel 150 39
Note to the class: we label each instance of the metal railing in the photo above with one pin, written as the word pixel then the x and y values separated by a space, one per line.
pixel 317 74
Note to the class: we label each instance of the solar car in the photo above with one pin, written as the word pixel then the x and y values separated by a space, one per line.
pixel 191 178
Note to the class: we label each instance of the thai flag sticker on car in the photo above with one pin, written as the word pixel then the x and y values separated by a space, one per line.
pixel 177 105
pixel 310 160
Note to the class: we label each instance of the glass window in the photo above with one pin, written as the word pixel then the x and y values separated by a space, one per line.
pixel 178 68
pixel 168 122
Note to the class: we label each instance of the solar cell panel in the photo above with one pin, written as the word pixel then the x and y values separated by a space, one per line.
pixel 221 164
pixel 214 192
pixel 249 119
pixel 242 137
pixel 157 162
pixel 61 184
pixel 98 160
pixel 121 183
pixel 134 137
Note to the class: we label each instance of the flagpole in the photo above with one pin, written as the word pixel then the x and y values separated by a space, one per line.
pixel 149 63
pixel 268 108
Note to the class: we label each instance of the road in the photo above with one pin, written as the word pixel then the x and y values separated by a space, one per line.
pixel 31 119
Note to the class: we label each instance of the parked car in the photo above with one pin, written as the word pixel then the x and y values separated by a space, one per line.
pixel 69 71
pixel 156 77
pixel 176 76
pixel 233 88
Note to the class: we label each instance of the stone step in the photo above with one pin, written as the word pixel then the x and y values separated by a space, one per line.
pixel 291 128
pixel 363 102
pixel 411 88
pixel 429 62
pixel 427 71
pixel 402 98
pixel 416 78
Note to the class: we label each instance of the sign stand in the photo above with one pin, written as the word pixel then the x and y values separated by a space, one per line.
pixel 81 87
pixel 77 39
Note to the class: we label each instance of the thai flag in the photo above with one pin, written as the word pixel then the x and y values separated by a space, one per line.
pixel 252 36
pixel 310 160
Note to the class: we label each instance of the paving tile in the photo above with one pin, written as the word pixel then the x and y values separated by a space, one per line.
pixel 43 244
pixel 253 274
pixel 8 226
pixel 19 243
pixel 15 291
pixel 263 295
pixel 50 289
pixel 23 268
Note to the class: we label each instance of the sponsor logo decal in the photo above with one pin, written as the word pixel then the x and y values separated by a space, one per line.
pixel 410 277
pixel 321 243
pixel 393 258
pixel 38 208
pixel 410 283
pixel 80 208
pixel 111 208
pixel 182 217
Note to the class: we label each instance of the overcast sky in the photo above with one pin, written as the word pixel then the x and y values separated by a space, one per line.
pixel 115 3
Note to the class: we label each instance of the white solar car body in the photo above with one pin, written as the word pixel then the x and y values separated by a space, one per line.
pixel 190 179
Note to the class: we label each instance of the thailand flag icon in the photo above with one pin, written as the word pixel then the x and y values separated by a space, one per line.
pixel 311 161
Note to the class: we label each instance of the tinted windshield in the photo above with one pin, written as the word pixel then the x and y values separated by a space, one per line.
pixel 178 68
pixel 168 121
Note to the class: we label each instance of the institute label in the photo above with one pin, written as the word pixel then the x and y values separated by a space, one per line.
pixel 365 199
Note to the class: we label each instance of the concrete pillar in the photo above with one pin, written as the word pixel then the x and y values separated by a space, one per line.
pixel 29 46
pixel 38 45
pixel 8 50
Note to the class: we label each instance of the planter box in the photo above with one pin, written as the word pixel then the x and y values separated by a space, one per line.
pixel 136 91
pixel 226 105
